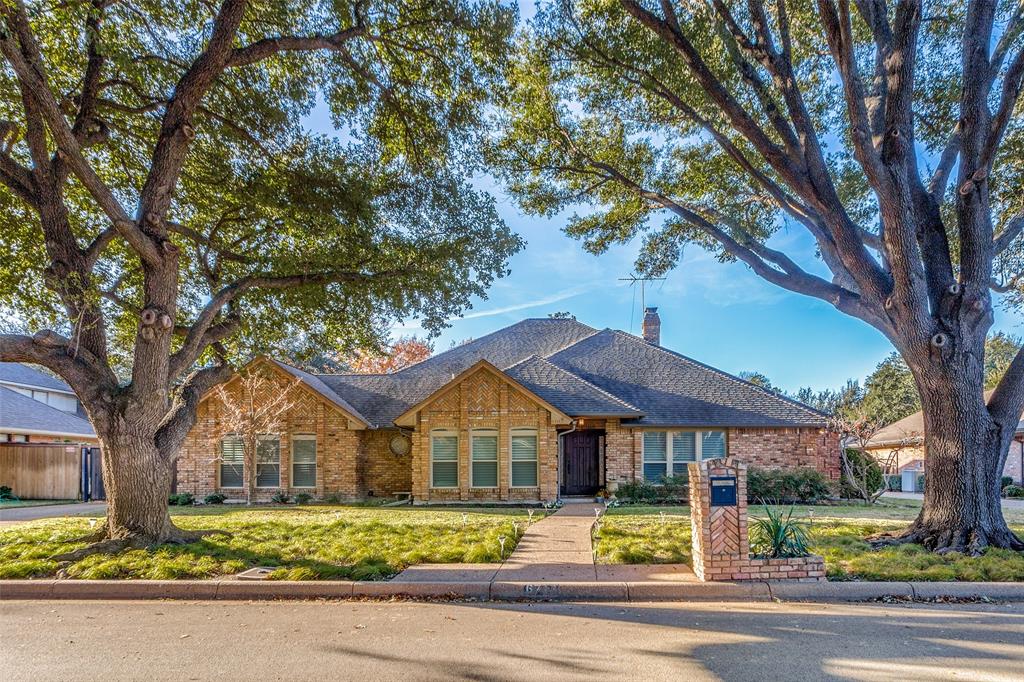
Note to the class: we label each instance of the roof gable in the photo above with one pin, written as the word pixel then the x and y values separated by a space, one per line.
pixel 408 418
pixel 311 383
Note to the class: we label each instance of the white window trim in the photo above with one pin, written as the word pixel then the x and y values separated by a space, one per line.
pixel 268 436
pixel 496 460
pixel 316 460
pixel 443 433
pixel 220 464
pixel 698 453
pixel 536 456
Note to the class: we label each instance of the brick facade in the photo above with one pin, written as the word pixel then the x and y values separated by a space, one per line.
pixel 484 400
pixel 896 460
pixel 381 472
pixel 763 447
pixel 354 462
pixel 785 448
pixel 337 445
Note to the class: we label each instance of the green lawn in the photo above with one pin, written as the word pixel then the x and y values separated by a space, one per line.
pixel 307 543
pixel 636 535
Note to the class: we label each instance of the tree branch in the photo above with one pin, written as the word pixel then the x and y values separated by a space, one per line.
pixel 268 47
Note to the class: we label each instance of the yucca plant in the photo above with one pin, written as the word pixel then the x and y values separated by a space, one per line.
pixel 779 536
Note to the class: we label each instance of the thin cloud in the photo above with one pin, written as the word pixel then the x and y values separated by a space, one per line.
pixel 547 300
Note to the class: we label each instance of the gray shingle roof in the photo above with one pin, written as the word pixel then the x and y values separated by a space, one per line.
pixel 585 373
pixel 674 390
pixel 21 413
pixel 568 392
pixel 382 398
pixel 17 373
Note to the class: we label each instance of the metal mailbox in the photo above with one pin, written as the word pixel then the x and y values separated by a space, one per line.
pixel 723 491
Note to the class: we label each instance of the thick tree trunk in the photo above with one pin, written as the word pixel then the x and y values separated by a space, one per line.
pixel 137 478
pixel 966 449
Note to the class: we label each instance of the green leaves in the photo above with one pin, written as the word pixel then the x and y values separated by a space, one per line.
pixel 388 203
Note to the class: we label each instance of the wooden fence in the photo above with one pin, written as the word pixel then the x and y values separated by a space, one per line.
pixel 41 472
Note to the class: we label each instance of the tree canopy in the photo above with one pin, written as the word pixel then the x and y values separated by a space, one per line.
pixel 122 134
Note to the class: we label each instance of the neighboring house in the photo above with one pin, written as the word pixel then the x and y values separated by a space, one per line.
pixel 543 408
pixel 37 408
pixel 900 446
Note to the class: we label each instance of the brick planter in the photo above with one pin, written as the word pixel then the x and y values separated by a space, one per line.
pixel 721 546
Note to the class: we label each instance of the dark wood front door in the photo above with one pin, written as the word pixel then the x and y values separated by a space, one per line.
pixel 581 462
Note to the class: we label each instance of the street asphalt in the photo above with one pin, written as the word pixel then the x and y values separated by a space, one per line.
pixel 88 640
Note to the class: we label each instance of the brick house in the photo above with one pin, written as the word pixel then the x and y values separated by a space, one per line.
pixel 537 410
pixel 900 447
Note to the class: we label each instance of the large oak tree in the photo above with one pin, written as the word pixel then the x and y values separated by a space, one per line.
pixel 888 132
pixel 167 211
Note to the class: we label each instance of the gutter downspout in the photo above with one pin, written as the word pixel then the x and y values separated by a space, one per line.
pixel 561 453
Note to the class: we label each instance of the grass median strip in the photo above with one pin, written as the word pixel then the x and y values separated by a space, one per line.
pixel 305 543
pixel 644 534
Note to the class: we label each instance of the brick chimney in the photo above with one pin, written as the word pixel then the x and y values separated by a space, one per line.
pixel 652 326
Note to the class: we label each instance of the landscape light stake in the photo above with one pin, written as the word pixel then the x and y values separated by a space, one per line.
pixel 501 543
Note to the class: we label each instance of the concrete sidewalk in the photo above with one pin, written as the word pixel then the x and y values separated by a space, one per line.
pixel 51 511
pixel 1008 502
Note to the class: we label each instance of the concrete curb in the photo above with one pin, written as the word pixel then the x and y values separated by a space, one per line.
pixel 641 591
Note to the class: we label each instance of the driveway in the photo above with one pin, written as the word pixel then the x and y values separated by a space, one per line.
pixel 1007 502
pixel 513 641
pixel 14 515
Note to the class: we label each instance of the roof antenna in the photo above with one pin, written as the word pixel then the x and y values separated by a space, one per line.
pixel 633 279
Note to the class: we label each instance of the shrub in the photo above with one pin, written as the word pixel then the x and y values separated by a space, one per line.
pixel 303 498
pixel 803 485
pixel 862 477
pixel 779 536
pixel 280 497
pixel 671 490
pixel 1003 482
pixel 893 482
pixel 6 493
pixel 1013 491
pixel 637 492
pixel 215 498
pixel 182 499
pixel 332 499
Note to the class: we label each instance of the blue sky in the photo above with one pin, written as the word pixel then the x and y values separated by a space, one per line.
pixel 719 314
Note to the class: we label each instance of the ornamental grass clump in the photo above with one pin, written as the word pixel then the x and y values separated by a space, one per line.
pixel 779 536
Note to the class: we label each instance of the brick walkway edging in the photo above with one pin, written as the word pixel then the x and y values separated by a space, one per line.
pixel 501 591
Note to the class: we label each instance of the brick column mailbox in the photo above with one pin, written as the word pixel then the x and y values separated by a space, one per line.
pixel 718 518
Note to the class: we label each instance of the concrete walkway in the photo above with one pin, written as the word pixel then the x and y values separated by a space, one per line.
pixel 556 549
pixel 51 511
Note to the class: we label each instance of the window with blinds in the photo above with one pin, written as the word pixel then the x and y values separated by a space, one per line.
pixel 666 453
pixel 232 463
pixel 684 449
pixel 304 462
pixel 712 445
pixel 524 459
pixel 268 462
pixel 444 460
pixel 484 459
pixel 655 461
